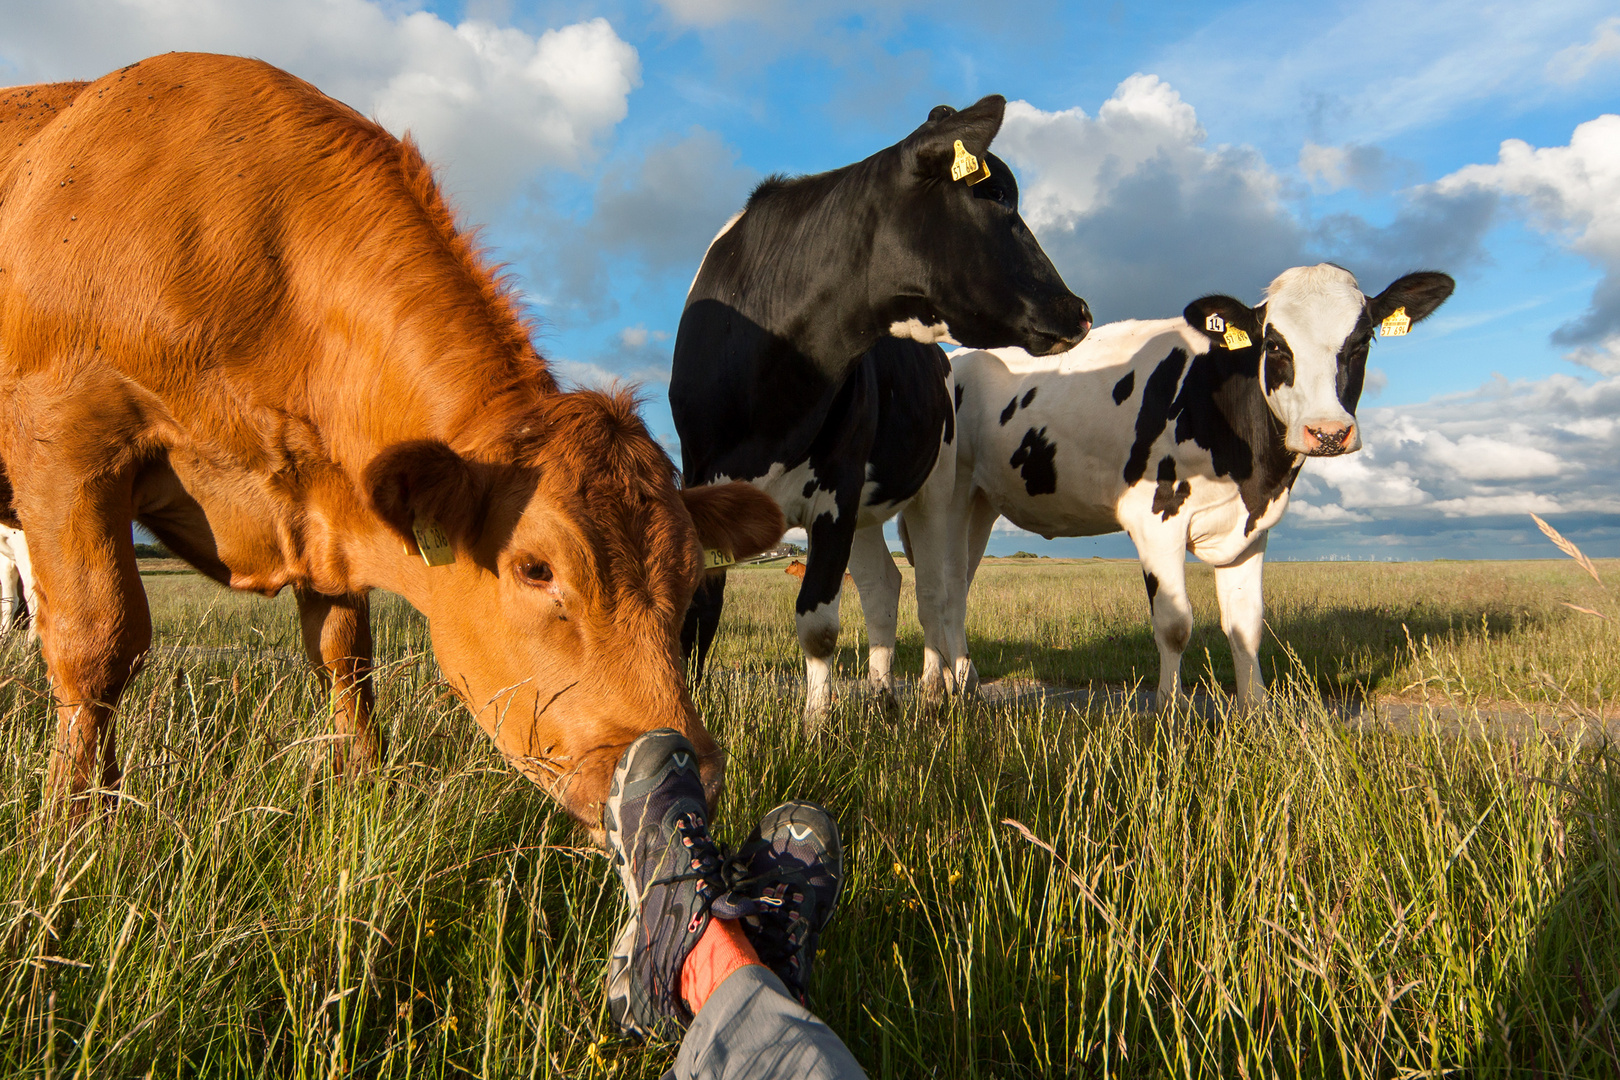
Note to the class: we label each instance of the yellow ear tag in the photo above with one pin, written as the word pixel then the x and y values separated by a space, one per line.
pixel 433 543
pixel 967 167
pixel 1397 324
pixel 714 560
pixel 1235 338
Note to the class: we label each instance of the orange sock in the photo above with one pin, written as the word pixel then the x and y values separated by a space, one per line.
pixel 721 950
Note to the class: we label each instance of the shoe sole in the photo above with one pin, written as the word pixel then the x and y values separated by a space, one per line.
pixel 656 743
pixel 620 958
pixel 784 815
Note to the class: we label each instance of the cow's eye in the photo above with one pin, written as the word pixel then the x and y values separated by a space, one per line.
pixel 535 573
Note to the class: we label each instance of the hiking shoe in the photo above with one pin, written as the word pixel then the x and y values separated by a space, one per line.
pixel 793 866
pixel 656 818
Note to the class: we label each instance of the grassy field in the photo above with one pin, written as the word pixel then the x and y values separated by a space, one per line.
pixel 1270 895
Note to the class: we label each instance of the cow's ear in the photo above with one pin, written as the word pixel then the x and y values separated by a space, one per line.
pixel 1418 293
pixel 1217 316
pixel 974 127
pixel 424 481
pixel 735 518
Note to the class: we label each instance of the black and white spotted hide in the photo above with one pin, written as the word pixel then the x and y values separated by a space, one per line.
pixel 1185 433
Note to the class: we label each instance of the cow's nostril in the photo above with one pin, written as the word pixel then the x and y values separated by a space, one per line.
pixel 1330 438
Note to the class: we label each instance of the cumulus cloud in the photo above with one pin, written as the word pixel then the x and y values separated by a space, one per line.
pixel 1572 192
pixel 1548 446
pixel 1366 168
pixel 1137 213
pixel 490 105
pixel 1141 215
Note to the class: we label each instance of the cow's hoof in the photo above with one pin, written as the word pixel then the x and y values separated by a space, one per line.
pixel 883 694
pixel 817 716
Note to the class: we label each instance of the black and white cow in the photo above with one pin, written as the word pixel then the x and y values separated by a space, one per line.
pixel 1186 433
pixel 805 360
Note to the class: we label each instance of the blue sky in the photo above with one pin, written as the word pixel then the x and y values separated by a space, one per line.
pixel 1164 150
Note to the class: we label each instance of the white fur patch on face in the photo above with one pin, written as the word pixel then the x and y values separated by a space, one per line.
pixel 1314 308
pixel 916 330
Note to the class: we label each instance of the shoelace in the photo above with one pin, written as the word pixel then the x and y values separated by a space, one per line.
pixel 780 921
pixel 705 862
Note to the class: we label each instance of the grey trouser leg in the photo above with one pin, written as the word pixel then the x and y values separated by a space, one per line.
pixel 750 1029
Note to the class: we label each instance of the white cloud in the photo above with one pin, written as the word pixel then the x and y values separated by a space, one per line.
pixel 1478 457
pixel 490 105
pixel 582 374
pixel 1007 528
pixel 1364 485
pixel 1137 212
pixel 1573 64
pixel 1324 515
pixel 1572 192
pixel 1141 215
pixel 1545 446
pixel 1366 168
pixel 1486 505
pixel 638 337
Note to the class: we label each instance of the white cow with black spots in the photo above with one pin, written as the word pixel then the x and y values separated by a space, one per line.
pixel 1186 433
pixel 16 576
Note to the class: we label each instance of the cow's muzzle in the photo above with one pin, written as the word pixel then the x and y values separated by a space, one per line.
pixel 1331 438
pixel 1066 323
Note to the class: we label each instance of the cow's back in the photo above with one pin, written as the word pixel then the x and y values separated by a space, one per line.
pixel 1048 439
pixel 26 110
pixel 215 230
pixel 208 262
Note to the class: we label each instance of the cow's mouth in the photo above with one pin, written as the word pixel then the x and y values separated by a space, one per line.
pixel 1052 344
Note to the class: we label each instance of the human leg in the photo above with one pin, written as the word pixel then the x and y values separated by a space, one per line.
pixel 682 964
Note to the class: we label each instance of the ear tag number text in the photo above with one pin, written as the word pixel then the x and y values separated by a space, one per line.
pixel 1235 338
pixel 1397 324
pixel 1215 324
pixel 432 542
pixel 714 560
pixel 967 167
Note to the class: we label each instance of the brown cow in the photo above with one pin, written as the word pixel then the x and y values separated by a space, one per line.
pixel 795 569
pixel 236 311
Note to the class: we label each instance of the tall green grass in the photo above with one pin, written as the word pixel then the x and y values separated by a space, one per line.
pixel 1033 891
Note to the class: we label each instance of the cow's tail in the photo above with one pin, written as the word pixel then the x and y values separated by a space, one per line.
pixel 905 542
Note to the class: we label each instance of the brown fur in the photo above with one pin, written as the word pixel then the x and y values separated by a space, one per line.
pixel 795 569
pixel 238 312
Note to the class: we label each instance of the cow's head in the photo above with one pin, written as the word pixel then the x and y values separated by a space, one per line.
pixel 1312 334
pixel 575 557
pixel 953 260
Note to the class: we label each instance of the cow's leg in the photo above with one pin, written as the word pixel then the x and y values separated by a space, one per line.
pixel 1164 572
pixel 703 618
pixel 94 626
pixel 817 610
pixel 878 580
pixel 978 519
pixel 1243 614
pixel 10 593
pixel 932 530
pixel 337 639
